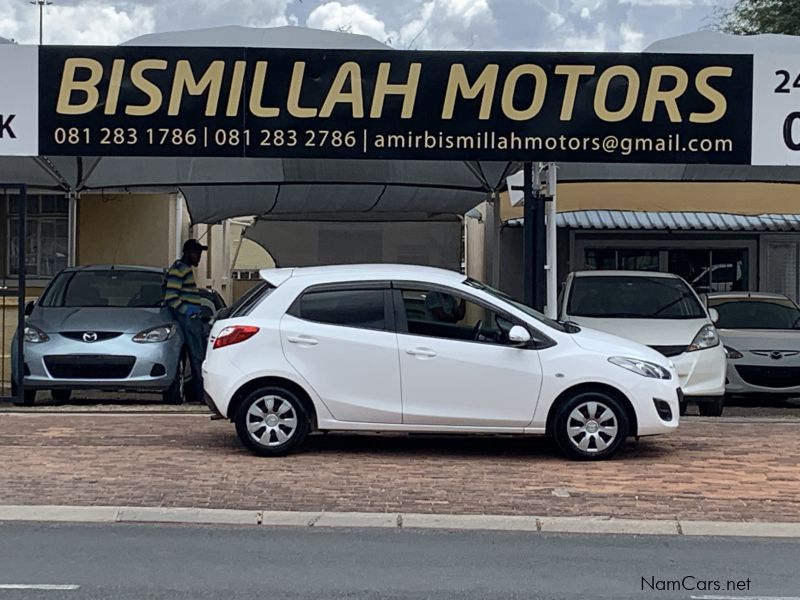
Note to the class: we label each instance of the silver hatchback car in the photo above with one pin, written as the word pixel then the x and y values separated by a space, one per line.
pixel 103 328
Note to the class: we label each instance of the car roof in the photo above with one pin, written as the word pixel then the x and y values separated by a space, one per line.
pixel 747 296
pixel 149 269
pixel 650 274
pixel 363 272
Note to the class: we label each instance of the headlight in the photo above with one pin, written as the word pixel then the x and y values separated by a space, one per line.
pixel 642 367
pixel 706 338
pixel 732 353
pixel 162 333
pixel 34 335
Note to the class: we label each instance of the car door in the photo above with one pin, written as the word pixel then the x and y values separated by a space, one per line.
pixel 341 340
pixel 457 366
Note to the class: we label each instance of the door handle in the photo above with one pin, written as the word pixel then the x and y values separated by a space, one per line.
pixel 302 339
pixel 423 352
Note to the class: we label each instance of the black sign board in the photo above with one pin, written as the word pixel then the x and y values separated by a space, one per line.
pixel 256 102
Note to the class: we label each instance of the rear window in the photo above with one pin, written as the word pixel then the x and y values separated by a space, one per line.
pixel 627 297
pixel 247 302
pixel 108 288
pixel 756 313
pixel 351 308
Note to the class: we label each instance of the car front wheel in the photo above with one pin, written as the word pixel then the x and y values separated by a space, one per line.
pixel 28 400
pixel 272 421
pixel 711 408
pixel 176 392
pixel 590 426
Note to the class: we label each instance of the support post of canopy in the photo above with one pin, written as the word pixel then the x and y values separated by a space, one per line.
pixel 528 236
pixel 23 234
pixel 540 239
pixel 552 243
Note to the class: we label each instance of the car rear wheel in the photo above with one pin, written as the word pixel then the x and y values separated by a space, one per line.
pixel 61 395
pixel 272 421
pixel 590 426
pixel 176 392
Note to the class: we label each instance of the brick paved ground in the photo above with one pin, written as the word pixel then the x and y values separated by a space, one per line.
pixel 709 470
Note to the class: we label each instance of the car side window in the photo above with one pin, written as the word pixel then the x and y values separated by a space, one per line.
pixel 363 308
pixel 434 313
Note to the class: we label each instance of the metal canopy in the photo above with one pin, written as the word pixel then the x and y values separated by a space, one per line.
pixel 314 189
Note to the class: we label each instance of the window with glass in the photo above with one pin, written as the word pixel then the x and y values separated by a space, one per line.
pixel 707 270
pixel 436 313
pixel 364 308
pixel 711 270
pixel 116 288
pixel 632 297
pixel 756 313
pixel 631 259
pixel 47 236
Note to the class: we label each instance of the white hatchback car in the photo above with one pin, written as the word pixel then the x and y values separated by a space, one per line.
pixel 662 311
pixel 418 349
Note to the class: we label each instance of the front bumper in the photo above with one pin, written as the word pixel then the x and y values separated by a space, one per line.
pixel 702 373
pixel 762 378
pixel 116 364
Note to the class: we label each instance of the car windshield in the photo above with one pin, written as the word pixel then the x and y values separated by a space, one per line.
pixel 633 297
pixel 114 288
pixel 516 304
pixel 751 313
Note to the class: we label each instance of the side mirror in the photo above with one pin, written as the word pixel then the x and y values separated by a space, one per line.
pixel 29 308
pixel 519 335
pixel 714 314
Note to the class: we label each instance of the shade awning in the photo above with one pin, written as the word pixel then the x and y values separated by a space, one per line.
pixel 220 188
pixel 671 221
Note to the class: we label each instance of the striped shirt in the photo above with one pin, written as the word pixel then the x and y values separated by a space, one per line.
pixel 181 289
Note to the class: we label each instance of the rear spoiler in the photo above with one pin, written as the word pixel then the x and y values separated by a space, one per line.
pixel 275 277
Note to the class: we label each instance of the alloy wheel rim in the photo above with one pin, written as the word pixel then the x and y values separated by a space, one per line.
pixel 592 427
pixel 271 421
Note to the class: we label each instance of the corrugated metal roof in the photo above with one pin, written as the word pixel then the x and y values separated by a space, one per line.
pixel 678 221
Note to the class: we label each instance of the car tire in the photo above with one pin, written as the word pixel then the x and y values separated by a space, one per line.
pixel 61 395
pixel 28 400
pixel 590 425
pixel 713 408
pixel 176 392
pixel 683 407
pixel 272 421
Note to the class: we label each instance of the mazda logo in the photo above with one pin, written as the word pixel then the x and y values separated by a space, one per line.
pixel 776 355
pixel 89 337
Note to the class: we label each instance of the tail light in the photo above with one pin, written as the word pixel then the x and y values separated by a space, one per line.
pixel 234 334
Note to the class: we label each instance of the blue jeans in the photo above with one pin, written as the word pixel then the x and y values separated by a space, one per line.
pixel 194 338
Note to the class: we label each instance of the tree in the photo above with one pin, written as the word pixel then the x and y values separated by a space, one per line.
pixel 748 17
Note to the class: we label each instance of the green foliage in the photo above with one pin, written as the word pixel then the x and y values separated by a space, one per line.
pixel 748 17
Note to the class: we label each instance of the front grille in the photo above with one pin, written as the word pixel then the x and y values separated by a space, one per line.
pixel 771 377
pixel 670 350
pixel 102 336
pixel 82 366
pixel 663 409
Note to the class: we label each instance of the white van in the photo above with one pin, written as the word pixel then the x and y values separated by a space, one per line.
pixel 659 310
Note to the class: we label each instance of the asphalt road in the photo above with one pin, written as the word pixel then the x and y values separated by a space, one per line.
pixel 137 562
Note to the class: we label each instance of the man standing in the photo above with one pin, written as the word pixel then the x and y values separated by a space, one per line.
pixel 183 298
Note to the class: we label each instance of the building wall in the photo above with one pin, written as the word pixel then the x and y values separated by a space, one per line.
pixel 126 229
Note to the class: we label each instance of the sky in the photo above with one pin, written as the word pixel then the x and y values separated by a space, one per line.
pixel 558 25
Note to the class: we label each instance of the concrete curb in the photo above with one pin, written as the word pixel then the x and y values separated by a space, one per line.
pixel 214 516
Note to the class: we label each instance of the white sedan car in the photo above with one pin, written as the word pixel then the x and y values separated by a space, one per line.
pixel 418 349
